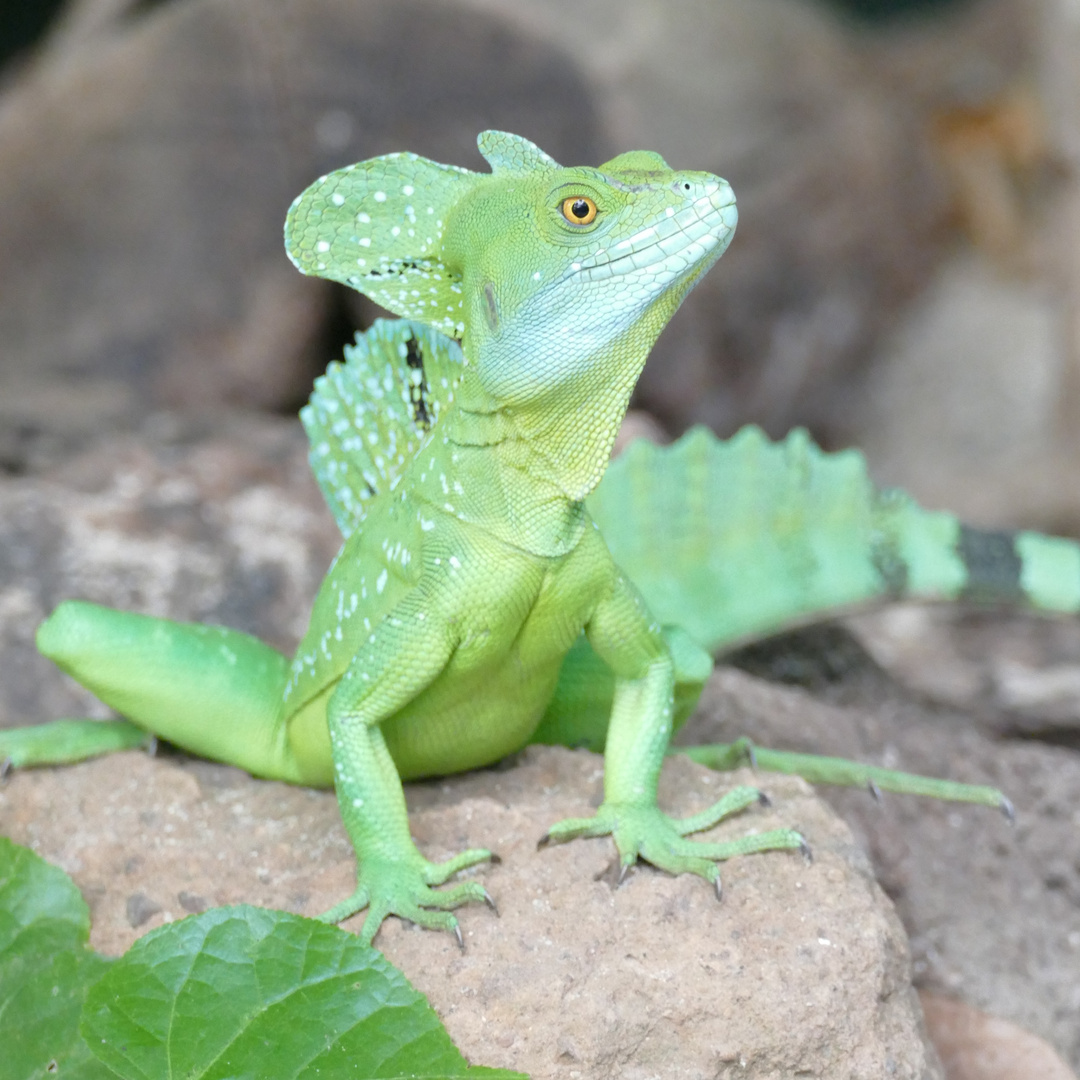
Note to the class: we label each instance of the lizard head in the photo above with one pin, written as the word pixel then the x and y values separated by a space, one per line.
pixel 551 277
pixel 570 274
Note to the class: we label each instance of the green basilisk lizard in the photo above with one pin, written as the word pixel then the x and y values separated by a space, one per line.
pixel 489 593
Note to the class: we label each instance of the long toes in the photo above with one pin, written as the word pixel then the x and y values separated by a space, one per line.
pixel 431 920
pixel 773 840
pixel 571 829
pixel 735 801
pixel 374 920
pixel 680 862
pixel 357 902
pixel 438 873
pixel 468 892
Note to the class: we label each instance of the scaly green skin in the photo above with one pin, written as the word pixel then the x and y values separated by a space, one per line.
pixel 438 634
pixel 474 605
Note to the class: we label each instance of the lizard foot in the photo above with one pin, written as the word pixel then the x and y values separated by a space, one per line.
pixel 644 831
pixel 404 888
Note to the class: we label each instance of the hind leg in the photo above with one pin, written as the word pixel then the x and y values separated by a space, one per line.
pixel 212 691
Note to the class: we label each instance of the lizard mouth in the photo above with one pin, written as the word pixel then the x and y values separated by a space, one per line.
pixel 675 245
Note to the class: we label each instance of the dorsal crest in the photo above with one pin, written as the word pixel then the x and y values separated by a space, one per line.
pixel 506 152
pixel 368 416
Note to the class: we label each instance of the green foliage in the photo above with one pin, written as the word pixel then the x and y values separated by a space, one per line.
pixel 45 969
pixel 231 993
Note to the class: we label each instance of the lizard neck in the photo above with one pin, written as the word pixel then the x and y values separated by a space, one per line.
pixel 476 466
pixel 521 468
pixel 555 419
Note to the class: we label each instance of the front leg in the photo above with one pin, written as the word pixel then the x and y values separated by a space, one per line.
pixel 627 638
pixel 404 655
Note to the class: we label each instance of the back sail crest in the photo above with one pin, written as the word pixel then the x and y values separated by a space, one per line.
pixel 367 417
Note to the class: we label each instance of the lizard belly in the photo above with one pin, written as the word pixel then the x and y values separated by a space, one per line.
pixel 492 695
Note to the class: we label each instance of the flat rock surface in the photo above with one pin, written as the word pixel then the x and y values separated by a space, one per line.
pixel 801 970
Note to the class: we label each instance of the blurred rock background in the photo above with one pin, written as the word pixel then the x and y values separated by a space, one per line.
pixel 905 278
pixel 905 275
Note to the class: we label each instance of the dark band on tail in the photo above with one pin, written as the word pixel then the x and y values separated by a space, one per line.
pixel 993 564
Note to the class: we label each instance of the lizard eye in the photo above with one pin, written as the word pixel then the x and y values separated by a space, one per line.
pixel 579 210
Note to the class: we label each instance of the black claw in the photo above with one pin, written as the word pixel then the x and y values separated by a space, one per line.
pixel 490 903
pixel 5 768
pixel 751 753
pixel 152 746
pixel 495 860
pixel 763 799
pixel 543 841
pixel 804 847
pixel 623 871
pixel 875 792
pixel 718 885
pixel 1007 808
pixel 460 939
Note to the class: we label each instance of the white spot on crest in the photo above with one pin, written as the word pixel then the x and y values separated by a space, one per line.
pixel 337 199
pixel 380 196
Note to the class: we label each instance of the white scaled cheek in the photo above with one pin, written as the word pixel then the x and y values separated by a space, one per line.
pixel 558 334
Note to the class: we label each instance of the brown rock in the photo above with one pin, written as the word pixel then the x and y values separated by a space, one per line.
pixel 974 1046
pixel 993 911
pixel 801 967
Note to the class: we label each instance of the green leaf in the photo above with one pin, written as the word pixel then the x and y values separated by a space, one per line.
pixel 246 993
pixel 45 968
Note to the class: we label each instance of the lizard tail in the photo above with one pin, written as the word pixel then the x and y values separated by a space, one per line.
pixel 739 539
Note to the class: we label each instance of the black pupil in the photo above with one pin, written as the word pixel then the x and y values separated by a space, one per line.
pixel 580 209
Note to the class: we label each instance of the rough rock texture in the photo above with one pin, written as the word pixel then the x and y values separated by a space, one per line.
pixel 802 970
pixel 993 912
